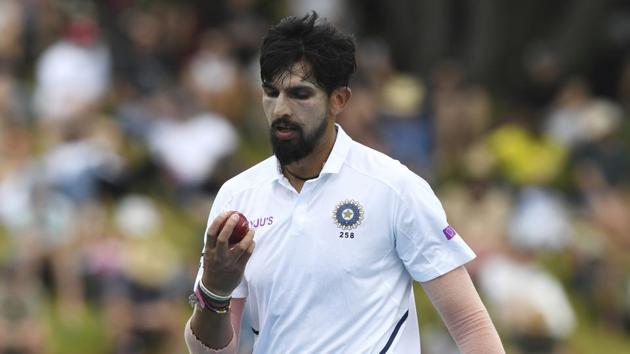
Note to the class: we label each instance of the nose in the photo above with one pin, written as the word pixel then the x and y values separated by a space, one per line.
pixel 282 107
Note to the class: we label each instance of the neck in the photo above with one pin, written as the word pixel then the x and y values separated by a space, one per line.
pixel 310 166
pixel 301 178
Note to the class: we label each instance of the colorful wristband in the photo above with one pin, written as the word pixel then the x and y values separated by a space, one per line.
pixel 208 304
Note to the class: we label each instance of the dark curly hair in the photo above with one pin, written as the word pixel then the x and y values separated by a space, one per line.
pixel 329 52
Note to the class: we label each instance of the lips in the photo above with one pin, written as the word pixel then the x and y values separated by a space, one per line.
pixel 284 129
pixel 285 133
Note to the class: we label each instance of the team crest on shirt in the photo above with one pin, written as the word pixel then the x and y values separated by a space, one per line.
pixel 348 214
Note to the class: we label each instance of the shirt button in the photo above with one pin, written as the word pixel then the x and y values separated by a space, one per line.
pixel 299 216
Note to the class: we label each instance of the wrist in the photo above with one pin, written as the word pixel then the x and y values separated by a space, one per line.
pixel 207 302
pixel 213 294
pixel 209 285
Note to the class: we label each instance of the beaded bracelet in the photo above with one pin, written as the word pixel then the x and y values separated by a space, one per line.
pixel 207 303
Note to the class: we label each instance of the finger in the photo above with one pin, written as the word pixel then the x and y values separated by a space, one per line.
pixel 214 229
pixel 247 254
pixel 241 247
pixel 224 235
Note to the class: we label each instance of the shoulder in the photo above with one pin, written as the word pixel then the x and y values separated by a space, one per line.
pixel 254 177
pixel 380 167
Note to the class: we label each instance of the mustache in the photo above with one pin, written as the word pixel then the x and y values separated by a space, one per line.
pixel 285 122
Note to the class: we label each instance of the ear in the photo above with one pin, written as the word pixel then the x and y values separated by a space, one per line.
pixel 339 99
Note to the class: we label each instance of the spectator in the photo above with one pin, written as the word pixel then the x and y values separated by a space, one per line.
pixel 73 74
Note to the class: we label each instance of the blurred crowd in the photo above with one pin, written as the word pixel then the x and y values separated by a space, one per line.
pixel 120 119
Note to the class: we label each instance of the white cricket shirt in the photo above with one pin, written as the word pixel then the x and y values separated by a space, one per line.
pixel 333 265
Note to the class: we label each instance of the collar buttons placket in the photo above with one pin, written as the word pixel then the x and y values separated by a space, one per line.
pixel 300 211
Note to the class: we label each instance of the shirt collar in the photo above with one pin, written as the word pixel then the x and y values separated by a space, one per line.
pixel 336 158
pixel 339 152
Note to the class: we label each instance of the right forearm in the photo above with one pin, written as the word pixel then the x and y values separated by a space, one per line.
pixel 215 324
pixel 212 329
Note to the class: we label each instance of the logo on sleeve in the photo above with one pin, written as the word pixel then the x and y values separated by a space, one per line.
pixel 449 232
pixel 348 214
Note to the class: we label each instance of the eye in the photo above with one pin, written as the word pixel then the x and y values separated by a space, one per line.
pixel 270 91
pixel 301 93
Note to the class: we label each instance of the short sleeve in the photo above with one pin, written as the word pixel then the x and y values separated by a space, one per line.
pixel 241 291
pixel 425 242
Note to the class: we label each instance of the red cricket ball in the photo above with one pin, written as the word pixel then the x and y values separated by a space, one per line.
pixel 240 229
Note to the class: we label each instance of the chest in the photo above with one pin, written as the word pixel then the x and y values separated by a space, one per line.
pixel 328 232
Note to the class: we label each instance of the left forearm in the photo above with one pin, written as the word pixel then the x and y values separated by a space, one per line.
pixel 465 316
pixel 475 333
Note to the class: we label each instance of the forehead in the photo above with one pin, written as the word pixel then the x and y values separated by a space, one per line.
pixel 299 74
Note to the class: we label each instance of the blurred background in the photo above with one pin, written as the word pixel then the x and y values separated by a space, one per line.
pixel 120 119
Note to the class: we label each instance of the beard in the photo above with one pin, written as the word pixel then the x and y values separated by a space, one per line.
pixel 290 150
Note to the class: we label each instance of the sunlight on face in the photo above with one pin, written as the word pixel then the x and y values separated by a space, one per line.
pixel 297 113
pixel 299 100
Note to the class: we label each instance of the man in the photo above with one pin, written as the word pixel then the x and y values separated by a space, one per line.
pixel 340 230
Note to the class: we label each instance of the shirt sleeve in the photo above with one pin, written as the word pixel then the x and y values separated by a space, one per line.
pixel 425 242
pixel 241 291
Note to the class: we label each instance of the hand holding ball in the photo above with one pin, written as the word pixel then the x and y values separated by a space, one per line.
pixel 226 252
pixel 240 229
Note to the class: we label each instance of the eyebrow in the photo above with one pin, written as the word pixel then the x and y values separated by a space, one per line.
pixel 269 85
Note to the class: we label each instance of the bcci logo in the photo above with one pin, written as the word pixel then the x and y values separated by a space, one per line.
pixel 348 214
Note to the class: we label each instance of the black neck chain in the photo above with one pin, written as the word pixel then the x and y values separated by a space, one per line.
pixel 304 179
